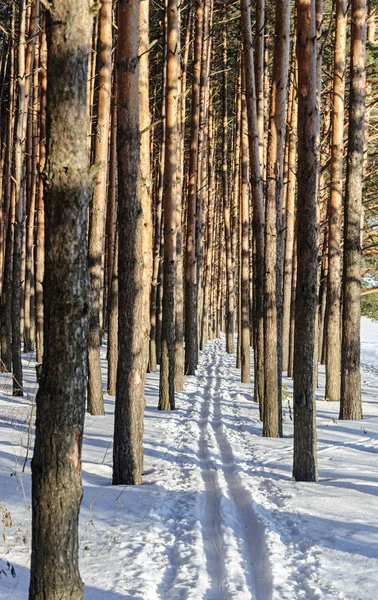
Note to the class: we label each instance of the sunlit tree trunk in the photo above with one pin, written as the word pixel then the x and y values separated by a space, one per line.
pixel 258 204
pixel 56 465
pixel 350 404
pixel 167 367
pixel 96 237
pixel 273 225
pixel 333 333
pixel 132 326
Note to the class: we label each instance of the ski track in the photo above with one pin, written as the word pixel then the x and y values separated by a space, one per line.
pixel 234 540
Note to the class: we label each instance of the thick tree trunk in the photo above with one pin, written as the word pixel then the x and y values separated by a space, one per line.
pixel 96 238
pixel 333 333
pixel 305 460
pixel 132 321
pixel 56 464
pixel 350 405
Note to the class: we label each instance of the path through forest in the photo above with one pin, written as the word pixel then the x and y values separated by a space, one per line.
pixel 218 516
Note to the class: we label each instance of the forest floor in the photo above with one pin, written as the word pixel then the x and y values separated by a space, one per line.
pixel 218 516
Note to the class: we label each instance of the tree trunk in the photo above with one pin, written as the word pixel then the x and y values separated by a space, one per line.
pixel 273 225
pixel 19 148
pixel 56 464
pixel 333 333
pixel 132 323
pixel 289 231
pixel 305 460
pixel 113 325
pixel 167 367
pixel 40 235
pixel 350 405
pixel 244 210
pixel 230 301
pixel 191 329
pixel 257 201
pixel 96 238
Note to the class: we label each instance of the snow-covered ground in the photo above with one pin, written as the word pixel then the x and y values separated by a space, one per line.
pixel 218 515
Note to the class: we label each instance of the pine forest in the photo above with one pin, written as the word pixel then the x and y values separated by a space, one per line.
pixel 188 299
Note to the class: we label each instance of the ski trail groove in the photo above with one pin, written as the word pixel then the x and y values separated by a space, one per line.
pixel 212 534
pixel 256 551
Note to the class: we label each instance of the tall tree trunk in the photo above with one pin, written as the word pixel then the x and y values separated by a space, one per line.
pixel 31 183
pixel 113 324
pixel 333 333
pixel 273 225
pixel 257 201
pixel 244 214
pixel 191 329
pixel 259 75
pixel 56 465
pixel 19 148
pixel 350 405
pixel 155 298
pixel 9 196
pixel 289 231
pixel 145 167
pixel 132 322
pixel 305 460
pixel 230 301
pixel 40 234
pixel 167 367
pixel 96 238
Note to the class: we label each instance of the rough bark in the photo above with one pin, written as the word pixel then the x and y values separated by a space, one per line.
pixel 333 333
pixel 230 300
pixel 258 203
pixel 350 402
pixel 191 329
pixel 305 460
pixel 244 214
pixel 40 235
pixel 56 464
pixel 132 325
pixel 19 214
pixel 96 237
pixel 289 231
pixel 167 367
pixel 273 225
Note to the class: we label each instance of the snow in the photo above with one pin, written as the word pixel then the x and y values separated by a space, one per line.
pixel 218 516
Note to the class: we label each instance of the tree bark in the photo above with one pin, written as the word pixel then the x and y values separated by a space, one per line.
pixel 244 210
pixel 132 324
pixel 273 225
pixel 167 367
pixel 96 238
pixel 56 464
pixel 333 333
pixel 191 328
pixel 257 201
pixel 305 460
pixel 350 404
